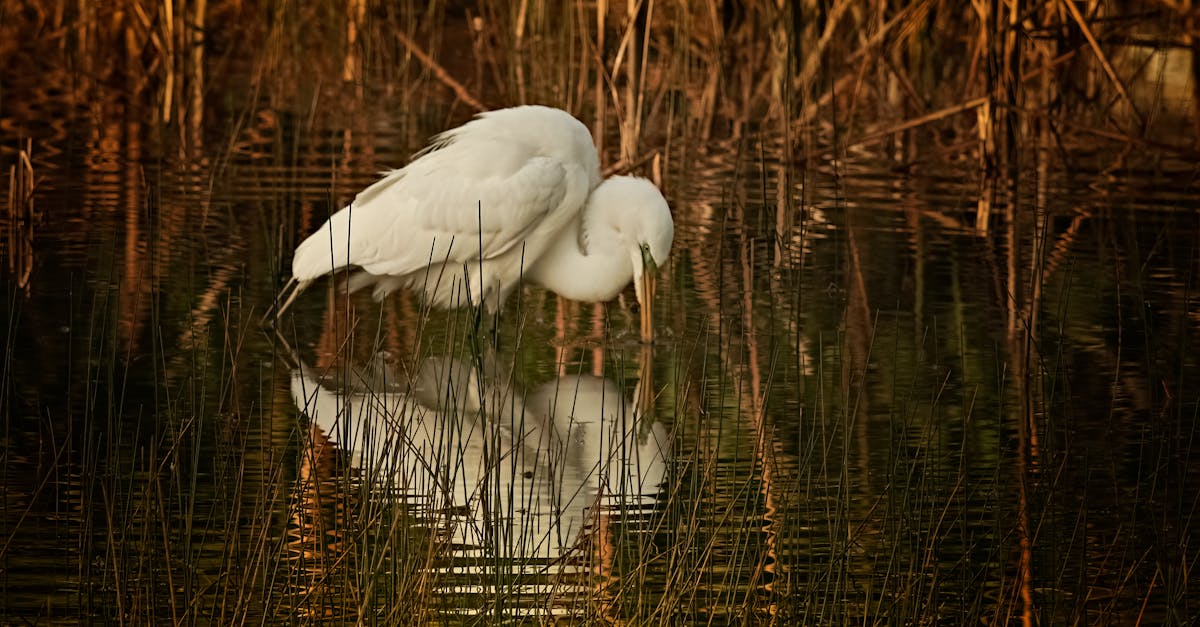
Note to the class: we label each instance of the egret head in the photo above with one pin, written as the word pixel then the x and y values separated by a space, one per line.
pixel 641 219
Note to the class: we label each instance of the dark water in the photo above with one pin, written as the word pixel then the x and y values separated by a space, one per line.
pixel 863 407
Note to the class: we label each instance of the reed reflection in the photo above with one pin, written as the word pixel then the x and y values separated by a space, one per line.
pixel 470 487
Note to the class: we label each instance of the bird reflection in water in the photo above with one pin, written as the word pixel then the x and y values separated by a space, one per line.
pixel 503 484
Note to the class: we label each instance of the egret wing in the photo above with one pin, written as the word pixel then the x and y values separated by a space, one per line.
pixel 454 214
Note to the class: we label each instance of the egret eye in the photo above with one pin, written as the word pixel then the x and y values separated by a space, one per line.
pixel 648 259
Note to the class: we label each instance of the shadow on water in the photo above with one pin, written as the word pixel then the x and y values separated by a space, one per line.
pixel 928 335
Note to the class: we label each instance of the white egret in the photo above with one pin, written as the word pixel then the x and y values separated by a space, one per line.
pixel 513 194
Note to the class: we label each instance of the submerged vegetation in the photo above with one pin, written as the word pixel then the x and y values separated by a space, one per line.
pixel 929 333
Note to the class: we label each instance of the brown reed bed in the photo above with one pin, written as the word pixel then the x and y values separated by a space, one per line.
pixel 774 524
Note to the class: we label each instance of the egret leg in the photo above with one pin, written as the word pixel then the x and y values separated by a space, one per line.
pixel 476 339
pixel 296 287
pixel 272 311
pixel 495 331
pixel 290 355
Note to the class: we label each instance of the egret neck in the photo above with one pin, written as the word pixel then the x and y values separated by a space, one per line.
pixel 598 274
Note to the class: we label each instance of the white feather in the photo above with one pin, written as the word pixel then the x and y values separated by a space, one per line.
pixel 482 207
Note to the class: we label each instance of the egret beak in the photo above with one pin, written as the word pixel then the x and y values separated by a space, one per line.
pixel 646 288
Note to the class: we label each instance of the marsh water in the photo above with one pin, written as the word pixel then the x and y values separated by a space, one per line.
pixel 863 406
